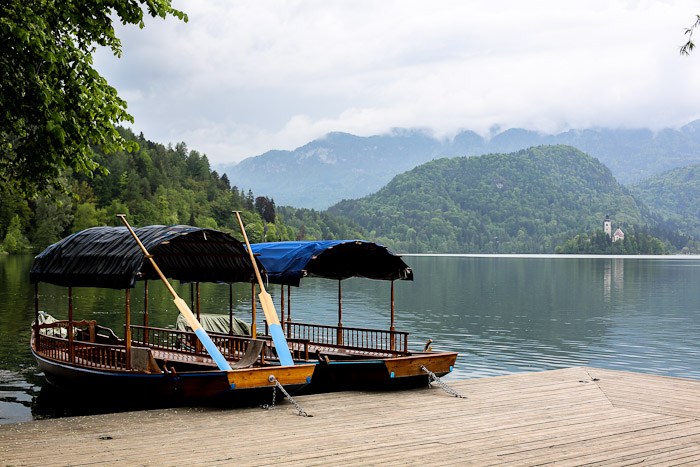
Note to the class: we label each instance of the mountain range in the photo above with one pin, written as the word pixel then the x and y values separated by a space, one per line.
pixel 344 166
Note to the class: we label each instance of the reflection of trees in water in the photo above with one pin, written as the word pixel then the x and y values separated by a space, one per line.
pixel 549 300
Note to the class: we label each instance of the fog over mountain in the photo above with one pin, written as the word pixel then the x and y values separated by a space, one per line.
pixel 344 166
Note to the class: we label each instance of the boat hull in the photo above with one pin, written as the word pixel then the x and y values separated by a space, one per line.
pixel 245 386
pixel 379 374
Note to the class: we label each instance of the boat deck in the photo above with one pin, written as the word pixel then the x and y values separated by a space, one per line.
pixel 573 416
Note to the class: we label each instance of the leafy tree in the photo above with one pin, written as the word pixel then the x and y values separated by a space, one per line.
pixel 52 217
pixel 690 44
pixel 54 105
pixel 266 208
pixel 86 215
pixel 15 241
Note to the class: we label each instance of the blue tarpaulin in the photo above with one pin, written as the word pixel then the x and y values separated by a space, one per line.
pixel 287 262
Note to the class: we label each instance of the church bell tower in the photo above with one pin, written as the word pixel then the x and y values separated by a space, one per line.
pixel 607 226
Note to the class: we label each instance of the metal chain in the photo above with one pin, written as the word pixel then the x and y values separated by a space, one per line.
pixel 296 405
pixel 432 377
pixel 274 396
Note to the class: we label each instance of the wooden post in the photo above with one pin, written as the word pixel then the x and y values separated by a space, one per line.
pixel 392 328
pixel 127 331
pixel 198 344
pixel 145 312
pixel 289 310
pixel 339 337
pixel 253 326
pixel 282 305
pixel 71 348
pixel 199 303
pixel 230 309
pixel 36 315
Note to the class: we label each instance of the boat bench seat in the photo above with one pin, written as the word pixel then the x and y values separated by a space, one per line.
pixel 251 357
pixel 142 360
pixel 333 351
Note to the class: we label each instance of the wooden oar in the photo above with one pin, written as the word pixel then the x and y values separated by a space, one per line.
pixel 182 306
pixel 268 307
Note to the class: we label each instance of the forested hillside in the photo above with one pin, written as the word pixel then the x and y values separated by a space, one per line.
pixel 675 197
pixel 154 185
pixel 525 202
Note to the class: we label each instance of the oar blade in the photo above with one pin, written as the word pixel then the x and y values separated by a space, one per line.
pixel 273 324
pixel 201 334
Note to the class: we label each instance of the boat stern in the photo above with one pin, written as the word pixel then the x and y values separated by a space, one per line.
pixel 288 376
pixel 439 363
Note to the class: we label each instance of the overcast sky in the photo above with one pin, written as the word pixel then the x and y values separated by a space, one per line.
pixel 243 77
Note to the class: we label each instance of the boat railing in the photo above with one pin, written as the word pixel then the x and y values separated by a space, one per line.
pixel 358 339
pixel 52 342
pixel 299 348
pixel 231 347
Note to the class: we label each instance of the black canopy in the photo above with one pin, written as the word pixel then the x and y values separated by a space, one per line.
pixel 110 257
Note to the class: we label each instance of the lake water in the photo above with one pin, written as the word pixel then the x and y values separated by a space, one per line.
pixel 503 314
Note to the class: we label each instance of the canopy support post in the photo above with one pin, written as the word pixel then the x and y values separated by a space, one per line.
pixel 145 312
pixel 36 315
pixel 253 326
pixel 282 305
pixel 198 302
pixel 230 309
pixel 198 344
pixel 71 345
pixel 392 328
pixel 339 337
pixel 289 310
pixel 127 332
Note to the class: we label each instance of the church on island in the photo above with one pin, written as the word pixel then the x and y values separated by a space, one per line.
pixel 607 228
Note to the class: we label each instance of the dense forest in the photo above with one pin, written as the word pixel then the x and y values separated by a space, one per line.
pixel 156 184
pixel 675 197
pixel 530 201
pixel 599 243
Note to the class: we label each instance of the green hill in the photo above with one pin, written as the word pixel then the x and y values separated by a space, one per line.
pixel 526 202
pixel 675 196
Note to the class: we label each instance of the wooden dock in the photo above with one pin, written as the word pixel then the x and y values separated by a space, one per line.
pixel 576 416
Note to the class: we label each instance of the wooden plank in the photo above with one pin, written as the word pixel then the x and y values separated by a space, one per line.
pixel 561 416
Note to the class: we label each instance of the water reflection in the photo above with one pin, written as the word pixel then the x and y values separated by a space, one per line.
pixel 503 314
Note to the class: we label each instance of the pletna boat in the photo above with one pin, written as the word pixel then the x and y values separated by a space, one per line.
pixel 349 357
pixel 149 362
